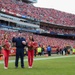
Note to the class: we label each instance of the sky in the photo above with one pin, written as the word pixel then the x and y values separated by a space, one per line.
pixel 62 5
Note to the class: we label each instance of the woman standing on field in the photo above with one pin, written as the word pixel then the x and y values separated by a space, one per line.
pixel 6 49
pixel 31 46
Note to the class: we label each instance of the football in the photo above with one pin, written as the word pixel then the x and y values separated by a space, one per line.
pixel 23 42
pixel 7 46
pixel 34 44
pixel 30 44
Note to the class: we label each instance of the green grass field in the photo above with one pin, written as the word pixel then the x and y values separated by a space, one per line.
pixel 46 66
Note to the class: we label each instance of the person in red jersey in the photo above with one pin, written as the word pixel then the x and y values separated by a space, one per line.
pixel 6 50
pixel 31 46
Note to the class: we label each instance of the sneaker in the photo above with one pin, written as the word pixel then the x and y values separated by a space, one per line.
pixel 30 67
pixel 16 67
pixel 5 67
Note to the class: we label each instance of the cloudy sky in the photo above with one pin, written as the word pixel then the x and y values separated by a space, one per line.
pixel 62 5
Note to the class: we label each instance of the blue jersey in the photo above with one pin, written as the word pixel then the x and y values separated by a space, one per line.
pixel 18 42
pixel 48 48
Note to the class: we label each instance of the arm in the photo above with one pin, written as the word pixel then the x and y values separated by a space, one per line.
pixel 14 39
pixel 23 41
pixel 13 42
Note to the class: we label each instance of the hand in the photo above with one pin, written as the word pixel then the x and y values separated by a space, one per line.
pixel 29 44
pixel 14 35
pixel 23 42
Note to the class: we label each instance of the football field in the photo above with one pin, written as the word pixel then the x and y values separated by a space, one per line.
pixel 54 65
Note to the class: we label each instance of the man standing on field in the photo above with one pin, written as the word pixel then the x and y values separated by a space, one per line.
pixel 20 44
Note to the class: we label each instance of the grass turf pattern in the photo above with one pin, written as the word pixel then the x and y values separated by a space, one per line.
pixel 59 66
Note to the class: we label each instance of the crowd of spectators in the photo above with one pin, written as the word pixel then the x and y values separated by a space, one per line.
pixel 58 30
pixel 41 40
pixel 43 14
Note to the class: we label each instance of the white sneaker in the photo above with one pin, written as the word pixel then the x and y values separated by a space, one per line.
pixel 30 67
pixel 5 67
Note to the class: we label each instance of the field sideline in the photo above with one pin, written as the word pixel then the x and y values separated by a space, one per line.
pixel 45 58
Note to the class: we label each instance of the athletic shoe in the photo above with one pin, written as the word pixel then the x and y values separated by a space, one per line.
pixel 30 67
pixel 5 67
pixel 16 67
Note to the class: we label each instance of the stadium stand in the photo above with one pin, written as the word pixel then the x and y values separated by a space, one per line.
pixel 46 15
pixel 43 40
pixel 52 16
pixel 58 30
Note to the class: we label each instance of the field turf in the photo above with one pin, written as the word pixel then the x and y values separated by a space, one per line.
pixel 54 65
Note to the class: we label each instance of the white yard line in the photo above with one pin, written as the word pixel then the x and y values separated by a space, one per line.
pixel 46 58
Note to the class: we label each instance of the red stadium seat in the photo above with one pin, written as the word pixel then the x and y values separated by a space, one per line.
pixel 46 15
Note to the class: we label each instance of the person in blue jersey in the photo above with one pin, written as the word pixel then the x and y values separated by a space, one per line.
pixel 20 44
pixel 49 50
